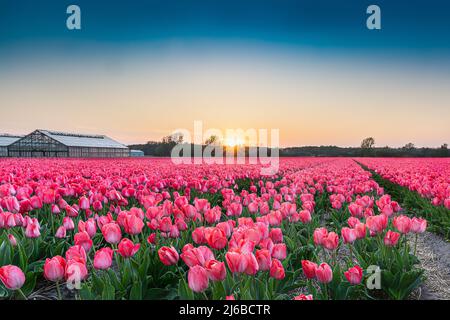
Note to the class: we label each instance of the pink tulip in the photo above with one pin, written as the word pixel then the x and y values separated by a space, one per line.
pixel 304 297
pixel 103 259
pixel 12 240
pixel 319 234
pixel 83 239
pixel 418 225
pixel 111 232
pixel 198 279
pixel 349 235
pixel 391 238
pixel 279 251
pixel 324 273
pixel 54 268
pixel 61 232
pixel 277 270
pixel 309 269
pixel 127 248
pixel 402 224
pixel 216 270
pixel 12 277
pixel 216 239
pixel 237 262
pixel 354 275
pixel 264 259
pixel 168 256
pixel 331 241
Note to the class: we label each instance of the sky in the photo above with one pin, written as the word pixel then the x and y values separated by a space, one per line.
pixel 138 70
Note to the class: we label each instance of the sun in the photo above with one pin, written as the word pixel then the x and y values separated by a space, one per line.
pixel 234 142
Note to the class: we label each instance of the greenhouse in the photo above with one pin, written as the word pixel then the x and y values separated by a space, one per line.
pixel 5 141
pixel 44 143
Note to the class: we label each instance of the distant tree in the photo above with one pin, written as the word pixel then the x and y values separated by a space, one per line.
pixel 444 146
pixel 212 140
pixel 409 146
pixel 174 138
pixel 368 143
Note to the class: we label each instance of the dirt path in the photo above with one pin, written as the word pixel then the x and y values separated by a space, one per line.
pixel 434 255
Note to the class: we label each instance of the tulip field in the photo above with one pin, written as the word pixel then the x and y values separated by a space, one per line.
pixel 114 229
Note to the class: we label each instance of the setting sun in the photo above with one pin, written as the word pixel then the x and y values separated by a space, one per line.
pixel 234 142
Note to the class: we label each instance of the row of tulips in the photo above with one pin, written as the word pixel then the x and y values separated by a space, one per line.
pixel 428 177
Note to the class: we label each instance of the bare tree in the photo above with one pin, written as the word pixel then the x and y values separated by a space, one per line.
pixel 368 143
pixel 409 146
pixel 212 140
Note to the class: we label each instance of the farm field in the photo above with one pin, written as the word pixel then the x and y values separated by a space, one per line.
pixel 322 228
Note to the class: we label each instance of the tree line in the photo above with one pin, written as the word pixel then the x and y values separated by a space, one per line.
pixel 367 148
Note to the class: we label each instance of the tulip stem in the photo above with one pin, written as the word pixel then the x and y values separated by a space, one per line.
pixel 22 294
pixel 325 290
pixel 415 244
pixel 351 253
pixel 58 290
pixel 406 245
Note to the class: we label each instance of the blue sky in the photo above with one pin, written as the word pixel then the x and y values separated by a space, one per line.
pixel 249 63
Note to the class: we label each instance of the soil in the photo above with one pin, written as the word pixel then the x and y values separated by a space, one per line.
pixel 434 255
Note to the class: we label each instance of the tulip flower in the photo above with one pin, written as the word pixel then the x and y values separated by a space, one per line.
pixel 198 279
pixel 168 256
pixel 402 224
pixel 391 238
pixel 151 239
pixel 12 240
pixel 216 270
pixel 348 235
pixel 309 269
pixel 111 232
pixel 252 265
pixel 217 239
pixel 103 259
pixel 360 230
pixel 352 222
pixel 305 216
pixel 83 239
pixel 32 229
pixel 83 203
pixel 76 253
pixel 331 241
pixel 55 209
pixel 237 262
pixel 61 232
pixel 133 224
pixel 303 297
pixel 354 275
pixel 54 268
pixel 319 234
pixel 264 259
pixel 279 251
pixel 198 235
pixel 324 274
pixel 276 235
pixel 127 248
pixel 418 225
pixel 377 224
pixel 75 272
pixel 277 270
pixel 12 277
pixel 68 223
